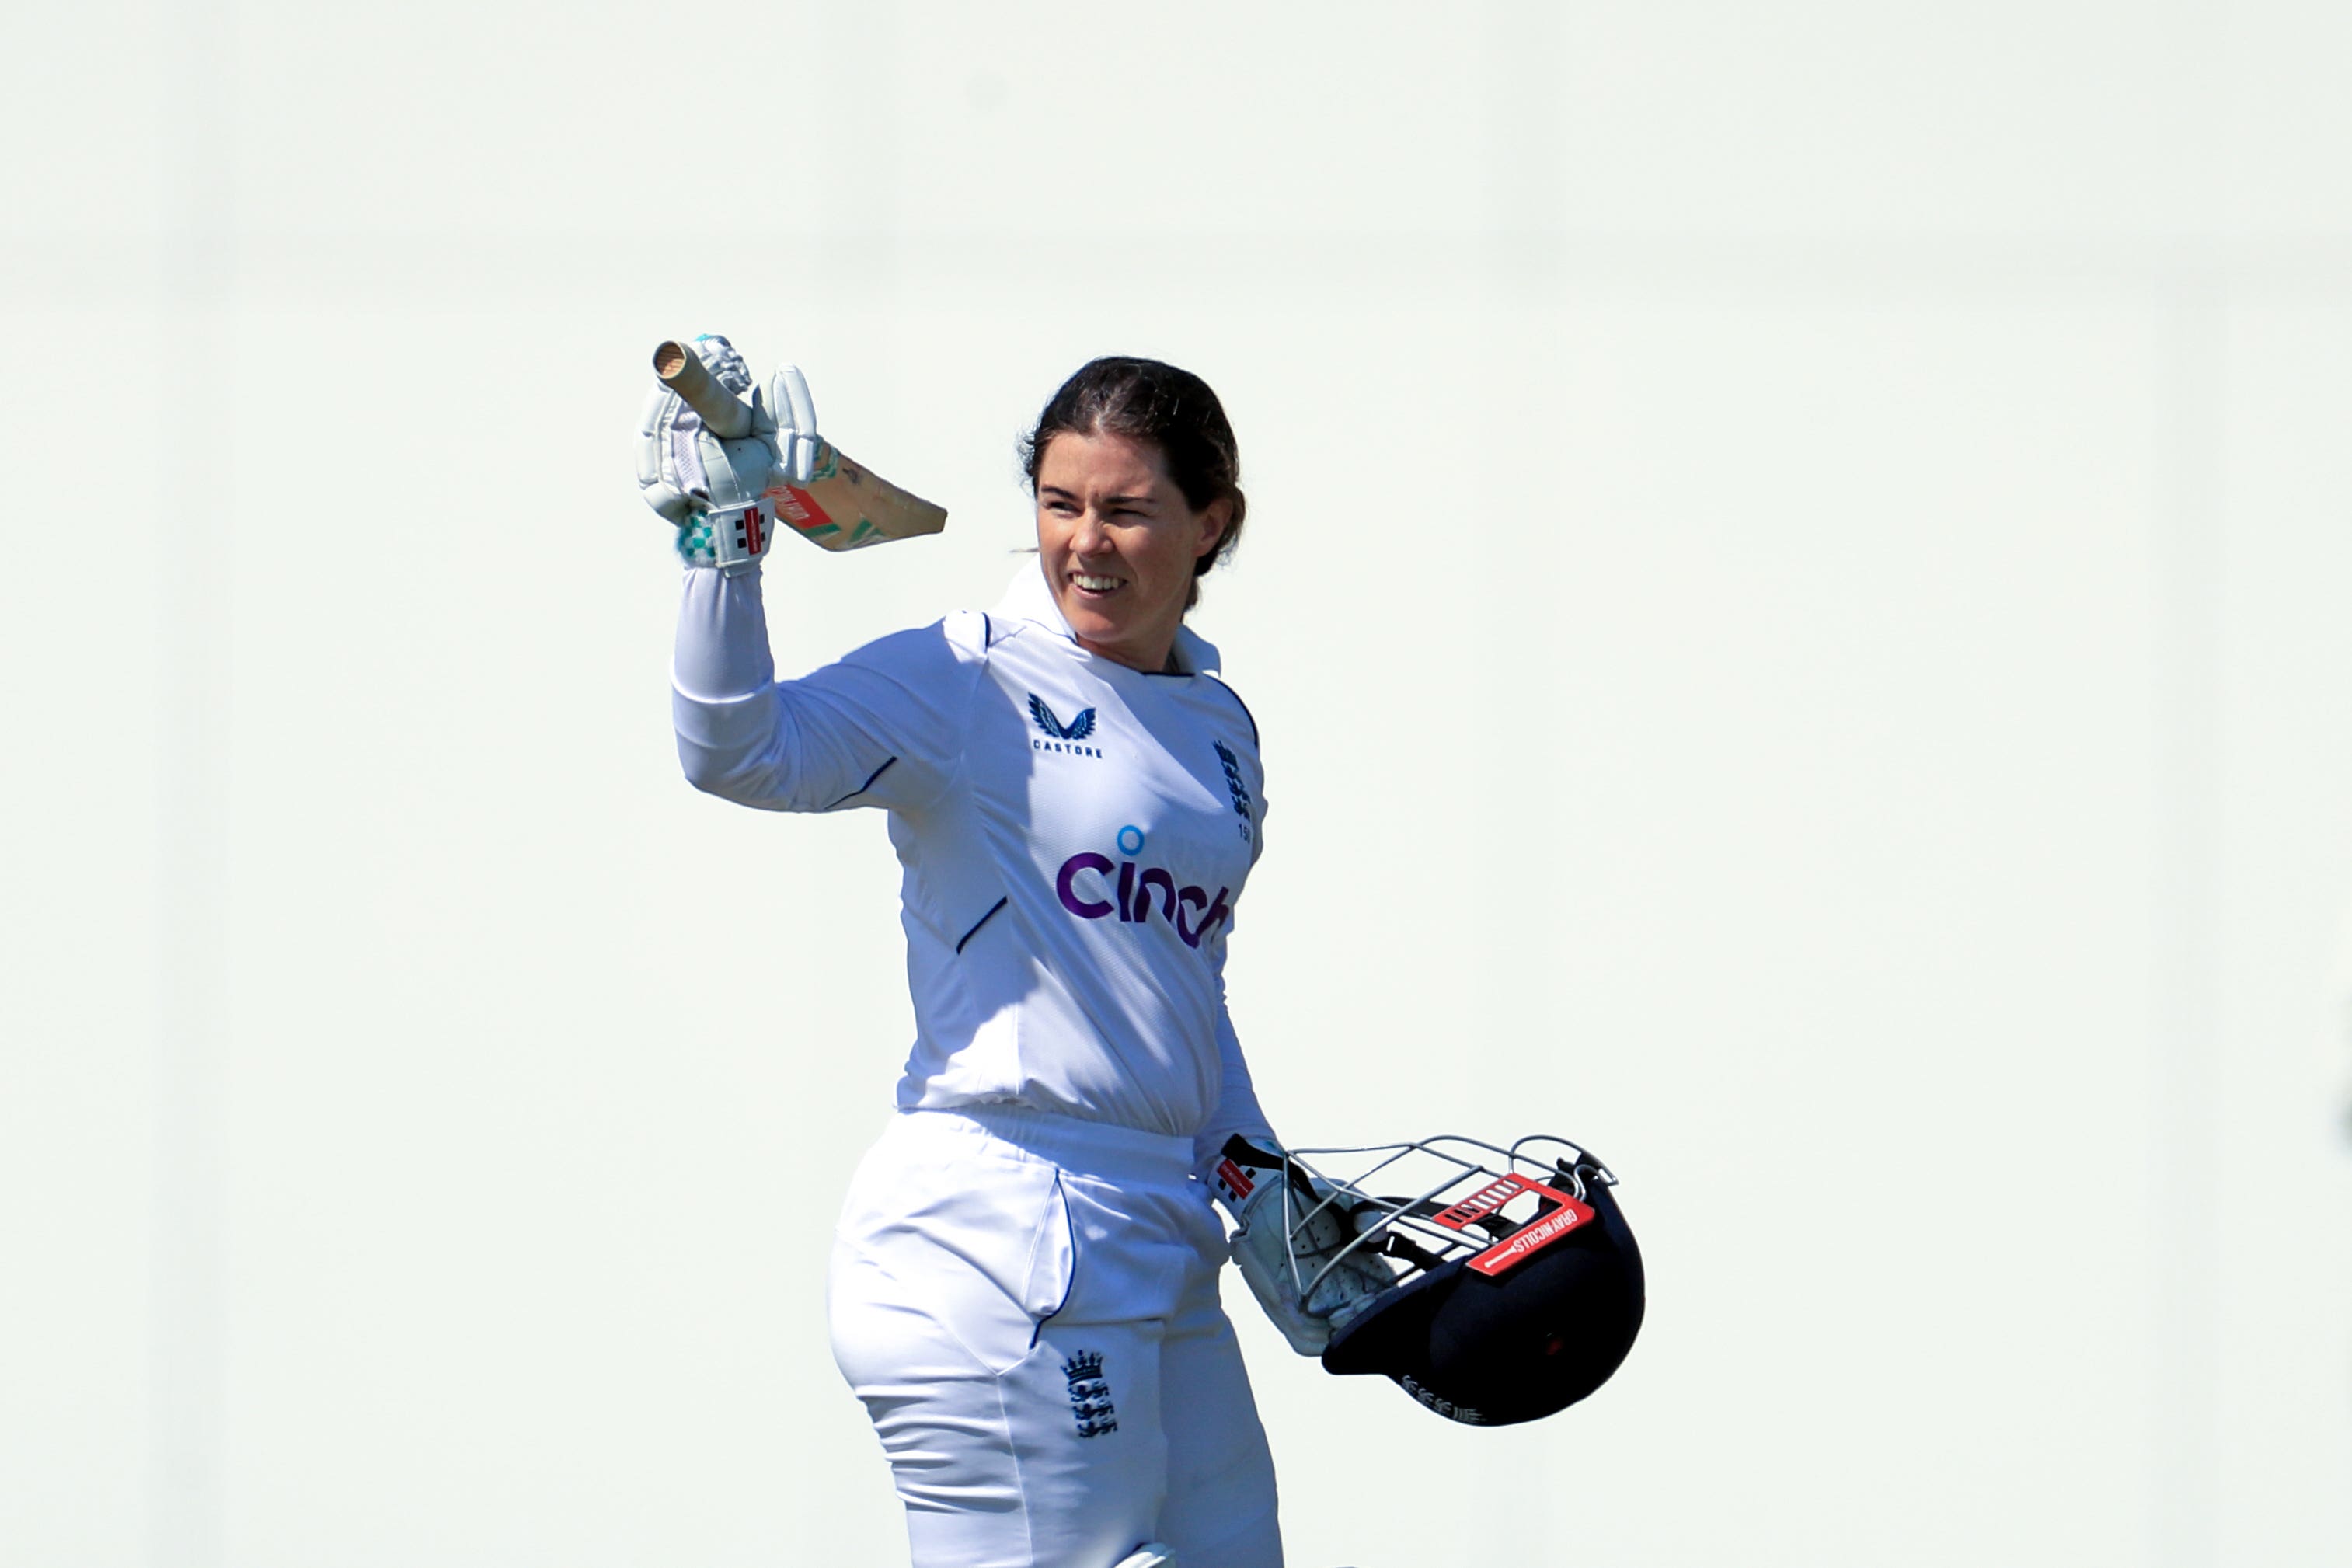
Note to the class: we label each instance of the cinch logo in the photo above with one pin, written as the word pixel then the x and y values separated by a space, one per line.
pixel 1132 889
pixel 1234 785
pixel 1077 729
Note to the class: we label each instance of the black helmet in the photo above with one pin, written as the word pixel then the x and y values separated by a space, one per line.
pixel 1518 1283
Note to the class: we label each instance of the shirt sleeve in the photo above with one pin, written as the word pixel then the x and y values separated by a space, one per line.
pixel 880 726
pixel 1237 1109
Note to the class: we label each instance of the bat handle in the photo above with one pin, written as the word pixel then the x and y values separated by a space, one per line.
pixel 681 370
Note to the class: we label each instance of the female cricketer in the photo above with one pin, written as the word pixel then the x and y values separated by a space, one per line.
pixel 1024 1282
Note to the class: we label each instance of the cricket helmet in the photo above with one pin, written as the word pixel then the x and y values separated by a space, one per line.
pixel 1519 1285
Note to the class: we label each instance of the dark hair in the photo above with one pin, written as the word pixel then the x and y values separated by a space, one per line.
pixel 1145 400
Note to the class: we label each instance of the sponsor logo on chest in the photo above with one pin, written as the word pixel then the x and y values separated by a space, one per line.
pixel 1060 737
pixel 1095 888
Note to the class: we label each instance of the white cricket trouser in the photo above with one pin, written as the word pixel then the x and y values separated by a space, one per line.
pixel 1027 1304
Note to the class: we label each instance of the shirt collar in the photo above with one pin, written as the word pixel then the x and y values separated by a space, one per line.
pixel 1031 598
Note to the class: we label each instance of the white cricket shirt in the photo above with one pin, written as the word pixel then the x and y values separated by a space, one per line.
pixel 1073 833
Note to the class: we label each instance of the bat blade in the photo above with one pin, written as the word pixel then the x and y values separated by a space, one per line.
pixel 847 506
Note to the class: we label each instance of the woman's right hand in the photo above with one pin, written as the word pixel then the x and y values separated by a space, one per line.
pixel 688 474
pixel 1296 1246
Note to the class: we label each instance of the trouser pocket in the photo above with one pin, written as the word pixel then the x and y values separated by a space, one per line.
pixel 981 1247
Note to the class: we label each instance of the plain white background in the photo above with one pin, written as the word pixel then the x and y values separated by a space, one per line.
pixel 1795 594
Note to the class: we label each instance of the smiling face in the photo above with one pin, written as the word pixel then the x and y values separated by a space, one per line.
pixel 1117 540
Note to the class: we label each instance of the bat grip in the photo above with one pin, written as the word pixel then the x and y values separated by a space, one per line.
pixel 681 370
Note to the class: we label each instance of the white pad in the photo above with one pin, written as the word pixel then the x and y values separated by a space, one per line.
pixel 1151 1556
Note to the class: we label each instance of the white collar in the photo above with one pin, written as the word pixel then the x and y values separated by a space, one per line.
pixel 1030 598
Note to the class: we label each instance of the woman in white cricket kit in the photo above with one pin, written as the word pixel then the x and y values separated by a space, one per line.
pixel 1023 1285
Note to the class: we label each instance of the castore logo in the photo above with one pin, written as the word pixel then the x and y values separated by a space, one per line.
pixel 1076 729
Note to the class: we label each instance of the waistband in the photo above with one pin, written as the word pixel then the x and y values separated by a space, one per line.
pixel 1085 1148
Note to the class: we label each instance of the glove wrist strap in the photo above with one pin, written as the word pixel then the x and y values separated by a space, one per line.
pixel 732 539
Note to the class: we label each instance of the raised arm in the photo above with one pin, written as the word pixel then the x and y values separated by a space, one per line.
pixel 891 711
pixel 881 727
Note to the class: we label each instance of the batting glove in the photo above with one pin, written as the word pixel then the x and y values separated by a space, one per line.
pixel 1291 1245
pixel 721 495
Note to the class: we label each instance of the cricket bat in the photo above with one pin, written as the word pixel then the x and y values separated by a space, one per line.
pixel 844 506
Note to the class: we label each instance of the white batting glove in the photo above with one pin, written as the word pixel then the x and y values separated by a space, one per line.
pixel 1288 1237
pixel 721 495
